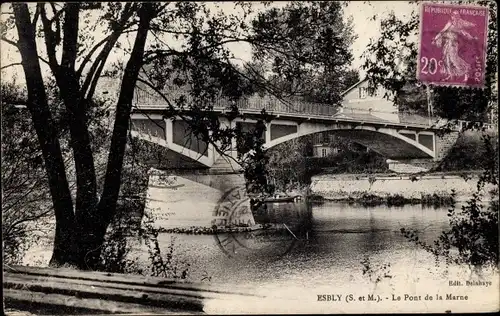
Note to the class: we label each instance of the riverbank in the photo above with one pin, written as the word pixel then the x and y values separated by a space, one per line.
pixel 395 189
pixel 200 230
pixel 368 199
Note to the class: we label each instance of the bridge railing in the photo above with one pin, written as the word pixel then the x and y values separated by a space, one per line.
pixel 301 108
pixel 462 125
pixel 274 105
pixel 254 103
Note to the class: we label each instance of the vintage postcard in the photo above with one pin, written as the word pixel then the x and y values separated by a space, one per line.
pixel 235 157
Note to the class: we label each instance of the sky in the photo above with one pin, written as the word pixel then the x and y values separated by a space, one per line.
pixel 360 11
pixel 365 28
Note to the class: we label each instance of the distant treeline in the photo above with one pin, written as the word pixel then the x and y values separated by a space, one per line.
pixel 352 161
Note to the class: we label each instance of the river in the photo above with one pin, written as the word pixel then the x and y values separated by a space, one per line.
pixel 331 249
pixel 326 251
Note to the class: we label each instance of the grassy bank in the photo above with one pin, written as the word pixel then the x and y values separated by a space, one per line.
pixel 368 199
pixel 241 228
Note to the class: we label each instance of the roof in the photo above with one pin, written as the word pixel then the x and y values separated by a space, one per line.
pixel 353 86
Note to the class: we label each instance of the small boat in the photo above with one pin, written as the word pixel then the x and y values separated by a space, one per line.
pixel 282 199
pixel 173 186
pixel 279 200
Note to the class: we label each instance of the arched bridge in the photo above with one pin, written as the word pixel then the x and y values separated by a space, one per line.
pixel 409 142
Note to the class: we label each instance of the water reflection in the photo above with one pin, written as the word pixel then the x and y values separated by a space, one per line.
pixel 325 243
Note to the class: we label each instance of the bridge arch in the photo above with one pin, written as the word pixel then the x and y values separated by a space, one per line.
pixel 384 140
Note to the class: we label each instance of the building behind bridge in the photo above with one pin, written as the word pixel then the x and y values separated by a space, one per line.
pixel 358 102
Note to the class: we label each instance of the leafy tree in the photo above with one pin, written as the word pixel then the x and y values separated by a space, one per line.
pixel 315 32
pixel 469 152
pixel 194 37
pixel 351 77
pixel 391 62
pixel 26 197
pixel 287 165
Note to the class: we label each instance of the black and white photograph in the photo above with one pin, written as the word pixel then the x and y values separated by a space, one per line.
pixel 249 157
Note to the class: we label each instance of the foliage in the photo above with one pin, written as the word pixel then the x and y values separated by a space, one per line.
pixel 287 165
pixel 376 273
pixel 124 233
pixel 133 223
pixel 349 161
pixel 291 164
pixel 254 159
pixel 164 266
pixel 351 78
pixel 201 68
pixel 315 32
pixel 26 210
pixel 23 189
pixel 26 198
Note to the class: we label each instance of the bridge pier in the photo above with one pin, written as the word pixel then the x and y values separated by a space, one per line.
pixel 410 165
pixel 199 199
pixel 444 143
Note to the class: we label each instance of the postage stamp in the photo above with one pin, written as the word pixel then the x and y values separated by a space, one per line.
pixel 453 41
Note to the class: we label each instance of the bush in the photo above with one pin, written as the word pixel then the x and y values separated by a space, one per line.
pixel 396 200
pixel 133 223
pixel 348 162
pixel 116 256
pixel 438 200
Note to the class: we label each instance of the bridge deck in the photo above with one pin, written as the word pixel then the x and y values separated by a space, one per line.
pixel 294 110
pixel 297 110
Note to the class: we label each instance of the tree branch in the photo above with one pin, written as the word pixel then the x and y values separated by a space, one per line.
pixel 49 40
pixel 27 219
pixel 10 65
pixel 46 133
pixel 11 42
pixel 70 30
pixel 112 180
pixel 69 86
pixel 95 70
pixel 56 13
pixel 35 18
pixel 95 80
pixel 89 55
pixel 44 60
pixel 56 19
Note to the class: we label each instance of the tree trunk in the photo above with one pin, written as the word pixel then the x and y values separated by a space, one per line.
pixel 92 227
pixel 88 231
pixel 47 137
pixel 77 109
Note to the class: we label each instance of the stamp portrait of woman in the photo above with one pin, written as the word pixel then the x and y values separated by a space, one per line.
pixel 448 39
